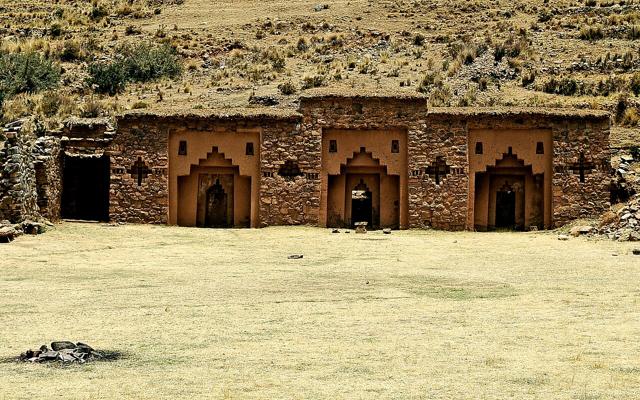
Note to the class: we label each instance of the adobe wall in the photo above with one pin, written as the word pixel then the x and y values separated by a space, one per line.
pixel 378 159
pixel 217 148
pixel 571 135
pixel 293 181
pixel 155 139
pixel 332 113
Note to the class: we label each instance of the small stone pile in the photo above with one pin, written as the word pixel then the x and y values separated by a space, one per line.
pixel 9 231
pixel 66 352
pixel 623 224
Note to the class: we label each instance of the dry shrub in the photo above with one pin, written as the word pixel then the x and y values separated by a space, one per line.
pixel 609 218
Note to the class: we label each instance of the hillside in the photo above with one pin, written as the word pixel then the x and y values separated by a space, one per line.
pixel 242 53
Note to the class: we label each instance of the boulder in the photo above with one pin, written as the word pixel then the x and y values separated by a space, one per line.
pixel 361 227
pixel 581 230
pixel 7 234
pixel 57 346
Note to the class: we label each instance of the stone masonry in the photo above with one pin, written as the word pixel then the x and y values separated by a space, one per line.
pixel 291 184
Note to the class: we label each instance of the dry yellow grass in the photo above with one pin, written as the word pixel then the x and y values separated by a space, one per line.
pixel 224 314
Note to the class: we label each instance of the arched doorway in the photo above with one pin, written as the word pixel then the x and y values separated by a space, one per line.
pixel 361 204
pixel 216 207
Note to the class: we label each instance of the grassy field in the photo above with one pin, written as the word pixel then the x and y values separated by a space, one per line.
pixel 224 314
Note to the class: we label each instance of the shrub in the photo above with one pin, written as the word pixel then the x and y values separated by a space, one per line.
pixel 630 117
pixel 312 81
pixel 139 105
pixel 634 83
pixel 287 88
pixel 545 16
pixel 110 78
pixel 418 39
pixel 55 30
pixel 145 62
pixel 71 51
pixel 141 63
pixel 428 81
pixel 98 12
pixel 27 73
pixel 50 104
pixel 528 78
pixel 132 30
pixel 563 86
pixel 91 108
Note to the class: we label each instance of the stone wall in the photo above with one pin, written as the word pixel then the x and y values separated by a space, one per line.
pixel 139 146
pixel 291 181
pixel 572 198
pixel 441 205
pixel 48 170
pixel 18 196
pixel 574 133
pixel 360 113
pixel 289 200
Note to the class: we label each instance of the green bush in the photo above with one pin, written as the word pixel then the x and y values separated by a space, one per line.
pixel 27 73
pixel 145 62
pixel 110 78
pixel 141 63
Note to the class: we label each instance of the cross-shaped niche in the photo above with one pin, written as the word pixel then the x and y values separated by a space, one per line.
pixel 139 171
pixel 582 167
pixel 289 170
pixel 439 169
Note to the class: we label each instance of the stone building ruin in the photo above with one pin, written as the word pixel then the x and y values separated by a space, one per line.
pixel 337 160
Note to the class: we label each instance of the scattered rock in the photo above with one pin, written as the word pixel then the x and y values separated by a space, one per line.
pixel 361 227
pixel 636 252
pixel 335 231
pixel 264 100
pixel 622 224
pixel 320 7
pixel 295 257
pixel 387 231
pixel 563 237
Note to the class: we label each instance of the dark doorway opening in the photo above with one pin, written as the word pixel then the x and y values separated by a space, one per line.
pixel 217 203
pixel 85 188
pixel 506 209
pixel 361 205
